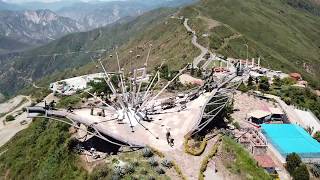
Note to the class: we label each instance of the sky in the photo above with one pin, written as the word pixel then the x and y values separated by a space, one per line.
pixel 46 1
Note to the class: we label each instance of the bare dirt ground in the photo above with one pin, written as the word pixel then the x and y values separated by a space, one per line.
pixel 244 104
pixel 221 171
pixel 10 129
pixel 186 79
pixel 11 104
pixel 190 165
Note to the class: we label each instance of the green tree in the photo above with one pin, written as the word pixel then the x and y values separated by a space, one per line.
pixel 288 81
pixel 277 81
pixel 9 118
pixel 317 136
pixel 199 72
pixel 250 82
pixel 293 161
pixel 243 88
pixel 164 72
pixel 264 84
pixel 301 173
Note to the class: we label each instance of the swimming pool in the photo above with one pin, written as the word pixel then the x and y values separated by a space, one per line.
pixel 289 138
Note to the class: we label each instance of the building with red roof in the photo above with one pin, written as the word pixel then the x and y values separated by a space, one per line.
pixel 266 163
pixel 296 76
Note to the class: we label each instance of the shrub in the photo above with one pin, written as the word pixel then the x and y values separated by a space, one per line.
pixel 160 170
pixel 130 169
pixel 243 88
pixel 236 125
pixel 116 177
pixel 301 173
pixel 317 136
pixel 195 151
pixel 10 118
pixel 135 163
pixel 146 152
pixel 293 161
pixel 151 177
pixel 167 163
pixel 143 171
pixel 153 162
pixel 118 171
pixel 264 84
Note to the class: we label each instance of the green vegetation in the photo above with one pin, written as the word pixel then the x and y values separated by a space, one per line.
pixel 300 97
pixel 239 161
pixel 45 151
pixel 296 168
pixel 218 35
pixel 303 98
pixel 307 5
pixel 130 165
pixel 10 118
pixel 206 160
pixel 170 44
pixel 197 147
pixel 264 84
pixel 317 136
pixel 30 65
pixel 42 151
pixel 175 165
pixel 67 101
pixel 285 37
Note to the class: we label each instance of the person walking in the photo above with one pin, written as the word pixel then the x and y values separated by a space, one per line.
pixel 168 136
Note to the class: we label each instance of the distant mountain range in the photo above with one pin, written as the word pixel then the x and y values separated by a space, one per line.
pixel 9 6
pixel 31 24
pixel 33 27
pixel 285 35
pixel 97 14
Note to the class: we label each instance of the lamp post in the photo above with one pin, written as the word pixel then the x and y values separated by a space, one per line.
pixel 247 50
pixel 131 70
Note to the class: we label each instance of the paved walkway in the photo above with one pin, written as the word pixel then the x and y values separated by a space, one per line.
pixel 190 165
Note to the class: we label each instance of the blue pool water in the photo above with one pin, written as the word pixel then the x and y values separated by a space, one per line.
pixel 288 138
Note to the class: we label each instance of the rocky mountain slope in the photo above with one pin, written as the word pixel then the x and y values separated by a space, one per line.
pixel 98 13
pixel 286 38
pixel 31 65
pixel 35 27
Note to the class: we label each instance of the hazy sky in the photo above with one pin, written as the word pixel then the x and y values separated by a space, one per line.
pixel 20 1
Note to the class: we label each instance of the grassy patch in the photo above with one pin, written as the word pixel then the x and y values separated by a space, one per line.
pixel 239 161
pixel 285 37
pixel 67 101
pixel 40 152
pixel 197 149
pixel 175 165
pixel 206 160
pixel 130 165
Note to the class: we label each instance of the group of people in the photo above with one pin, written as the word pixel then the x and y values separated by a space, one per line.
pixel 49 106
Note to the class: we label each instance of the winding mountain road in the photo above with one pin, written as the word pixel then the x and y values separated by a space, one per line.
pixel 194 41
pixel 203 49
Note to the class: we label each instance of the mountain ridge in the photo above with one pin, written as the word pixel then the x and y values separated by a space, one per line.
pixel 35 27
